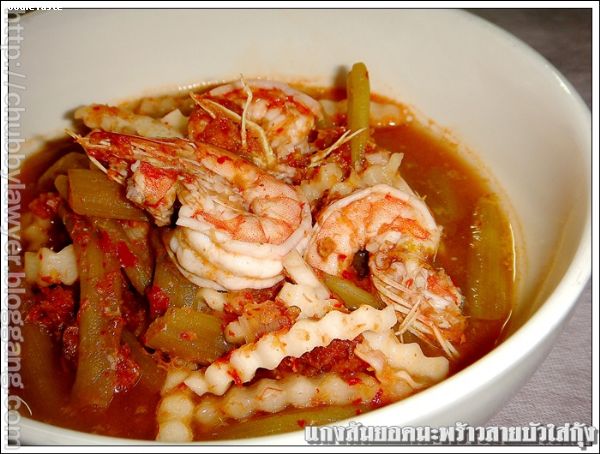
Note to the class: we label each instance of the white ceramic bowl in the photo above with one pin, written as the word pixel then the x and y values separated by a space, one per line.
pixel 523 119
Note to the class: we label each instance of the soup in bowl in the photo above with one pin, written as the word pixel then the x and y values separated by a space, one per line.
pixel 248 257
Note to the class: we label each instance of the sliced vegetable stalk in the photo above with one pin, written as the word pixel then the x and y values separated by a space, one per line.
pixel 91 193
pixel 359 101
pixel 61 184
pixel 73 160
pixel 443 200
pixel 152 376
pixel 350 294
pixel 100 323
pixel 288 421
pixel 188 334
pixel 169 281
pixel 489 269
pixel 134 254
pixel 44 384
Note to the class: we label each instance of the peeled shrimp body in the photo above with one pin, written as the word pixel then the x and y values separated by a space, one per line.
pixel 400 234
pixel 236 221
pixel 284 114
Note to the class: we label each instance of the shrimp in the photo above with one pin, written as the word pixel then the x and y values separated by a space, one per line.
pixel 276 117
pixel 115 119
pixel 236 222
pixel 398 231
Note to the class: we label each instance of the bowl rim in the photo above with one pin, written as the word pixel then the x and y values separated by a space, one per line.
pixel 550 314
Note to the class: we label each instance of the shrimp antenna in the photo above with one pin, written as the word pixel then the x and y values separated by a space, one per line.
pixel 248 92
pixel 79 139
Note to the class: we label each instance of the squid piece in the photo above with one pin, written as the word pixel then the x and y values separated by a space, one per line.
pixel 295 391
pixel 401 370
pixel 308 293
pixel 174 416
pixel 402 367
pixel 47 267
pixel 179 410
pixel 305 335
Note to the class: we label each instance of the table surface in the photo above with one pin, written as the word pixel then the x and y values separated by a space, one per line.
pixel 561 389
